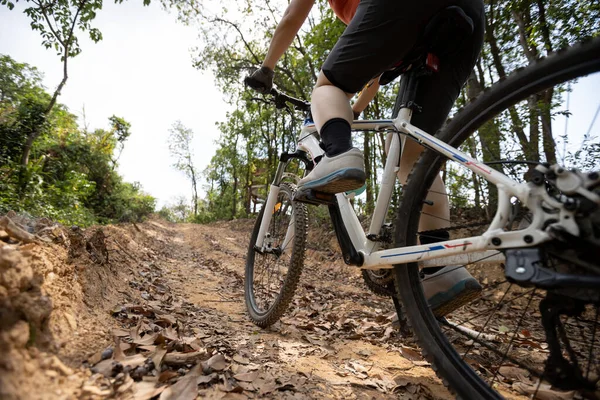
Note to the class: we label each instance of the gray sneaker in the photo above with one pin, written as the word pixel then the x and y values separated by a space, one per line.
pixel 450 288
pixel 336 174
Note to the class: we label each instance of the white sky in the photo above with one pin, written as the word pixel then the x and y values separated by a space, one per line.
pixel 141 71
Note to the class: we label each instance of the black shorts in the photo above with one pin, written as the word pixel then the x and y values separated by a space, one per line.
pixel 382 32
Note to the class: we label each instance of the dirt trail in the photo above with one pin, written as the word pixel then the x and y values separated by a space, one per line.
pixel 362 359
pixel 171 297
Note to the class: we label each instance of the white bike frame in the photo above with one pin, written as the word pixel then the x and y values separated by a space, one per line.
pixel 483 248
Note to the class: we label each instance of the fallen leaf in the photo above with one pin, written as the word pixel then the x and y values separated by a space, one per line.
pixel 133 361
pixel 544 392
pixel 207 378
pixel 514 373
pixel 242 360
pixel 118 309
pixel 246 377
pixel 527 342
pixel 146 390
pixel 364 352
pixel 247 386
pixel 158 356
pixel 170 334
pixel 216 363
pixel 235 396
pixel 185 389
pixel 264 387
pixel 228 385
pixel 104 367
pixel 410 354
pixel 503 329
pixel 146 340
pixel 401 381
pixel 166 375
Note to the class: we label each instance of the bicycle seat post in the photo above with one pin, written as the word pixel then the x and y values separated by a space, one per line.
pixel 408 87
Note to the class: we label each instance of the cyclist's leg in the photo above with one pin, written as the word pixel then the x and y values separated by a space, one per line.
pixel 436 95
pixel 369 45
pixel 450 287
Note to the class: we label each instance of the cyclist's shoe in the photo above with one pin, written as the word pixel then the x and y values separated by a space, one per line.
pixel 340 173
pixel 449 288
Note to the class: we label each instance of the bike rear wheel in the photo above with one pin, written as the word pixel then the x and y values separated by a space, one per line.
pixel 491 363
pixel 272 275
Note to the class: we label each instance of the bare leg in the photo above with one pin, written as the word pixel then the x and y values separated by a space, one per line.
pixel 328 102
pixel 437 215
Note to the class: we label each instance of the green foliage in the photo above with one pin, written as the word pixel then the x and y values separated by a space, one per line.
pixel 22 105
pixel 72 177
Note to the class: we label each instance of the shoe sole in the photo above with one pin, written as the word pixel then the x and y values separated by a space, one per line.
pixel 472 289
pixel 338 182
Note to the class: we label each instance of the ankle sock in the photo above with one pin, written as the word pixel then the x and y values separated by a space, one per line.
pixel 436 237
pixel 336 137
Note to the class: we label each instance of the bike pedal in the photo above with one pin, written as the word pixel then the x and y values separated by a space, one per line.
pixel 310 196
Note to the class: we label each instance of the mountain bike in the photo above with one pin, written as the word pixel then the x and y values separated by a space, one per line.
pixel 538 255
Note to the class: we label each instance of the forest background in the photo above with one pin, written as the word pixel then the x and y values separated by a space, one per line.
pixel 53 165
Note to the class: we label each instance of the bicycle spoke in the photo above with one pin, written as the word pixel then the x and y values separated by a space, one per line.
pixel 486 322
pixel 512 339
pixel 508 302
pixel 495 350
pixel 434 216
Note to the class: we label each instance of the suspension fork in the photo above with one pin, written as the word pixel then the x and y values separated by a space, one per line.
pixel 284 160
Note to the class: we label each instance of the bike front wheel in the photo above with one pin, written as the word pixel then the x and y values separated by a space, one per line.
pixel 272 273
pixel 513 340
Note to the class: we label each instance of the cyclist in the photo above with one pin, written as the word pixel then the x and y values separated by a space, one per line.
pixel 379 34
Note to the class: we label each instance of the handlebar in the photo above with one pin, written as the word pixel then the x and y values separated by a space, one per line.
pixel 280 99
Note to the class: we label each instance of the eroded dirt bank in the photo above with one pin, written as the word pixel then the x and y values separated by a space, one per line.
pixel 156 310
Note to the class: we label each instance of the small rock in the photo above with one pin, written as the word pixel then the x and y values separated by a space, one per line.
pixel 117 368
pixel 138 373
pixel 149 364
pixel 106 354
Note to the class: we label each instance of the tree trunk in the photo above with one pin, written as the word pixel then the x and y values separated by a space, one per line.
pixel 517 124
pixel 474 177
pixel 234 196
pixel 66 43
pixel 248 198
pixel 549 144
pixel 194 189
